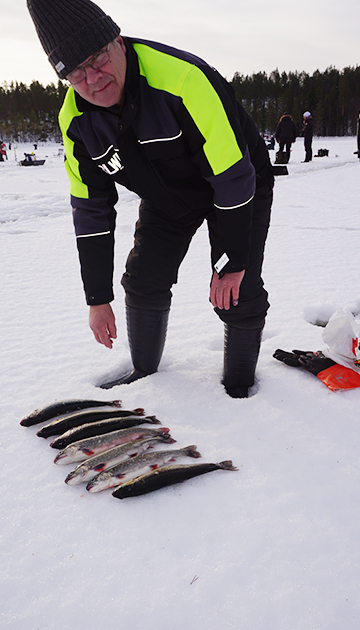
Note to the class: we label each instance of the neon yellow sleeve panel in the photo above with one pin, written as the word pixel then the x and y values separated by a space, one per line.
pixel 180 78
pixel 66 115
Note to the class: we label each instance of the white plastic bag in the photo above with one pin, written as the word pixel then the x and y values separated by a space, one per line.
pixel 341 334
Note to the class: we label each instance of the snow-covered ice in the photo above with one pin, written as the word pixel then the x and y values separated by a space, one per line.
pixel 274 546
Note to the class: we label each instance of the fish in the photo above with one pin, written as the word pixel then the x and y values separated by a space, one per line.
pixel 78 418
pixel 61 407
pixel 82 450
pixel 99 428
pixel 118 474
pixel 166 476
pixel 87 470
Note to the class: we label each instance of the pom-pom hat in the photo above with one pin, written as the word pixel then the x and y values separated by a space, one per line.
pixel 70 31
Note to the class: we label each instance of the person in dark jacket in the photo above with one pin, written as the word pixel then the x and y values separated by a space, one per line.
pixel 307 132
pixel 285 134
pixel 166 125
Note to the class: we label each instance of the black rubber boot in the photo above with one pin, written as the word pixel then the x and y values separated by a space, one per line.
pixel 146 333
pixel 241 351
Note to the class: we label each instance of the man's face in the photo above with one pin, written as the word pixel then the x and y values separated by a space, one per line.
pixel 105 86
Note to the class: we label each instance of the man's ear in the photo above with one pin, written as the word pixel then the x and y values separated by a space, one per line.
pixel 120 41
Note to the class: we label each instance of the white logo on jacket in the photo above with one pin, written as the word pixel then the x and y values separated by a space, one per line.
pixel 112 165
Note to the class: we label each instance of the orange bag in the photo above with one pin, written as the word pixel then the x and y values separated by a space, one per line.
pixel 337 378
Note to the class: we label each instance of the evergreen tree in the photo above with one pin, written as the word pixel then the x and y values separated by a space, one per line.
pixel 29 113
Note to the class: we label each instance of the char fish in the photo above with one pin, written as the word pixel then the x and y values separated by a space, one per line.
pixel 166 476
pixel 105 426
pixel 87 470
pixel 62 407
pixel 89 447
pixel 78 418
pixel 115 475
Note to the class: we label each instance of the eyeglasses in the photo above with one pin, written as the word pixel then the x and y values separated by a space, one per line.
pixel 96 62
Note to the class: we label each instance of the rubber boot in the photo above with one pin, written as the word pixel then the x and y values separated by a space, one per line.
pixel 241 351
pixel 146 333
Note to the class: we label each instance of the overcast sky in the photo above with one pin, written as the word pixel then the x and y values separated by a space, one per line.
pixel 232 35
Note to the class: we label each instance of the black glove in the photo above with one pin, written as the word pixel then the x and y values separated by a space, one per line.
pixel 290 358
pixel 313 362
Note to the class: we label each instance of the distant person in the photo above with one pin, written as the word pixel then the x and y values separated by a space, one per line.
pixel 3 151
pixel 307 132
pixel 285 134
pixel 271 143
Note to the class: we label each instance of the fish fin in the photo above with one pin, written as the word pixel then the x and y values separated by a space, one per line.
pixel 135 454
pixel 120 476
pixel 88 451
pixel 227 465
pixel 100 467
pixel 117 403
pixel 154 466
pixel 192 451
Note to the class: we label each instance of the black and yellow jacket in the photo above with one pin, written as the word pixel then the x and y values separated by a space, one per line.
pixel 180 140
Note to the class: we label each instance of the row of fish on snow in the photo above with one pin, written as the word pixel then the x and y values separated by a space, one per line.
pixel 113 449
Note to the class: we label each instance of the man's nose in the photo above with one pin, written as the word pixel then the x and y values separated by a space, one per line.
pixel 93 74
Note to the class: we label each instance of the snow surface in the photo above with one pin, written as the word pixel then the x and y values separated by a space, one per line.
pixel 274 546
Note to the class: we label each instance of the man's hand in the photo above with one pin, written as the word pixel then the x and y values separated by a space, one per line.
pixel 102 323
pixel 226 289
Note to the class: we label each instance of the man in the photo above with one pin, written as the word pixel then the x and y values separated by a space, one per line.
pixel 164 124
pixel 307 132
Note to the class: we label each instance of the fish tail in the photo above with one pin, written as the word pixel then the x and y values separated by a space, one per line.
pixel 168 439
pixel 117 403
pixel 227 465
pixel 192 451
pixel 139 411
pixel 152 420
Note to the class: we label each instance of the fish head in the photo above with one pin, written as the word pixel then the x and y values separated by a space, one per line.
pixel 76 476
pixel 103 481
pixel 66 455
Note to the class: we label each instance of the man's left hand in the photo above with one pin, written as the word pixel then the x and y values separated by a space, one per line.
pixel 225 291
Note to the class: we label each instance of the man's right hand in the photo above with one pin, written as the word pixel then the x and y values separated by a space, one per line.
pixel 102 323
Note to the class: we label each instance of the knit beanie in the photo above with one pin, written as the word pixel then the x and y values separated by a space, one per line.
pixel 70 31
pixel 306 114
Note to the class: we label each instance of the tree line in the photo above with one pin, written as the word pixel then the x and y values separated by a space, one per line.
pixel 30 113
pixel 332 97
